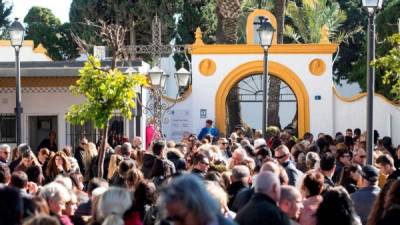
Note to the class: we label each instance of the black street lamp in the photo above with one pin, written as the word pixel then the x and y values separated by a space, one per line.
pixel 266 33
pixel 17 33
pixel 371 6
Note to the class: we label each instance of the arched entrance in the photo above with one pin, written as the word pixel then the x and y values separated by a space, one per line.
pixel 256 67
pixel 244 104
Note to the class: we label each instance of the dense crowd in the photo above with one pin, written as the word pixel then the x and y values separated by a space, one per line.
pixel 205 180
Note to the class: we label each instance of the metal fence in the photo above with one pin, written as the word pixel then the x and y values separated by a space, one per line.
pixel 8 128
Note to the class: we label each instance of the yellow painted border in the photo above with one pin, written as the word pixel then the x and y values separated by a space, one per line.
pixel 26 43
pixel 256 49
pixel 360 96
pixel 256 67
pixel 250 24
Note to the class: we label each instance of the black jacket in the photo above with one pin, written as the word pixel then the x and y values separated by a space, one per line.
pixel 242 198
pixel 261 210
pixel 233 190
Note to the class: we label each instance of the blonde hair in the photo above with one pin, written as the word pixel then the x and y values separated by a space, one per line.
pixel 218 193
pixel 113 165
pixel 89 154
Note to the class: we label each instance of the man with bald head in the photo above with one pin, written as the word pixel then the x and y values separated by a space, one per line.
pixel 262 208
pixel 282 155
pixel 291 203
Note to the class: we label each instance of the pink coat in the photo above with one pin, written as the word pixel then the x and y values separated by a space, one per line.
pixel 307 215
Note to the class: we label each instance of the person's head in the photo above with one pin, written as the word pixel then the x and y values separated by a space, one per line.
pixel 71 205
pixel 200 162
pixel 52 135
pixel 96 183
pixel 258 134
pixel 19 180
pixel 312 160
pixel 112 205
pixel 124 166
pixel 89 153
pixel 336 208
pixel 126 149
pixel 360 157
pixel 282 154
pixel 133 178
pixel 343 156
pixel 209 123
pixel 57 163
pixel 308 136
pixel 137 141
pixel 35 174
pixel 327 164
pixel 350 175
pixel 83 141
pixel 263 154
pixel 271 166
pixel 27 159
pixel 158 147
pixel 291 201
pixel 56 196
pixel 43 155
pixel 386 164
pixel 11 206
pixel 5 152
pixel 187 201
pixel 4 174
pixel 357 132
pixel 238 156
pixel 219 194
pixel 240 173
pixel 23 148
pixel 267 183
pixel 369 176
pixel 42 219
pixel 349 132
pixel 313 184
pixel 393 195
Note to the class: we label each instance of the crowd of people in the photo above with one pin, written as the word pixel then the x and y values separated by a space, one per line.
pixel 243 179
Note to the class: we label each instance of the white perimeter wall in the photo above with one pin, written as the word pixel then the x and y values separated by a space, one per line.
pixel 354 114
pixel 205 88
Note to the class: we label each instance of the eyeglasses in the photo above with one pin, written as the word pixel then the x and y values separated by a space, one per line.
pixel 177 218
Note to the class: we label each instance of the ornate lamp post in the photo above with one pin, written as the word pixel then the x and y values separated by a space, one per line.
pixel 17 33
pixel 155 105
pixel 371 6
pixel 266 34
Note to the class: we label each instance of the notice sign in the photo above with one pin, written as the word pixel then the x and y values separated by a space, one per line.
pixel 180 124
pixel 203 113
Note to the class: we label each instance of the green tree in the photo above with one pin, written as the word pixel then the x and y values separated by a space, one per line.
pixel 5 11
pixel 390 66
pixel 105 92
pixel 43 27
pixel 309 19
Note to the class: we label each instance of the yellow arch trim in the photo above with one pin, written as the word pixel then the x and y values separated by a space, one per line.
pixel 360 96
pixel 250 26
pixel 256 67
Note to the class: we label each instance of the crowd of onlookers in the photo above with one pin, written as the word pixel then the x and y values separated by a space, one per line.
pixel 243 179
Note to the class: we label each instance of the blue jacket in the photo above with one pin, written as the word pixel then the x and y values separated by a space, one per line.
pixel 212 131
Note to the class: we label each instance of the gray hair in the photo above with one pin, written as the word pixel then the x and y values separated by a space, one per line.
pixel 312 159
pixel 289 193
pixel 23 148
pixel 55 192
pixel 5 147
pixel 265 183
pixel 113 204
pixel 239 172
pixel 191 192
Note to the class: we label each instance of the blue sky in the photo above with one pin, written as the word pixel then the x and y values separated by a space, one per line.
pixel 60 8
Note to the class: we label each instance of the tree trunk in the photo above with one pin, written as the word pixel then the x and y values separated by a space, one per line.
pixel 102 152
pixel 274 82
pixel 228 12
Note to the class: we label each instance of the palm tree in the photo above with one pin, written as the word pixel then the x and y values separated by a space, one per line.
pixel 309 19
pixel 228 14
